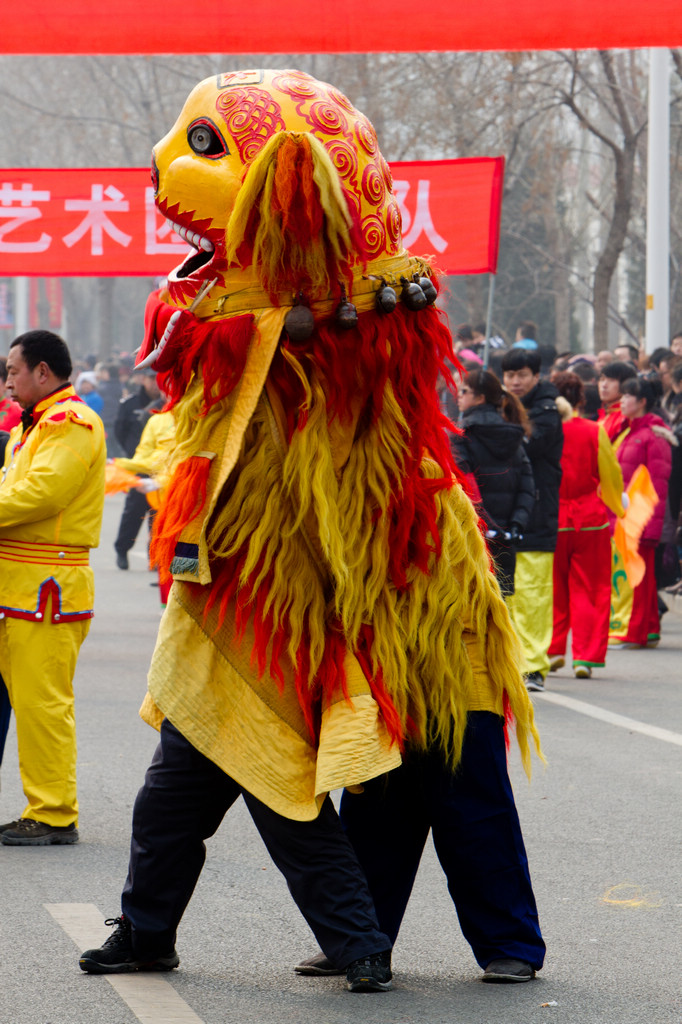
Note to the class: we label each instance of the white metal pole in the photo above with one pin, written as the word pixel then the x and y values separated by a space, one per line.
pixel 657 329
pixel 488 321
pixel 20 305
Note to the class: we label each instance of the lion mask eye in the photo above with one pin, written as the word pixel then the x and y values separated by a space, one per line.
pixel 205 139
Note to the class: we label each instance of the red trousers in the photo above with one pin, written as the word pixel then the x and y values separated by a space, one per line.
pixel 582 595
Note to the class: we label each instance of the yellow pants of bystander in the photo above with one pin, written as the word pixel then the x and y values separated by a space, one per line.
pixel 38 662
pixel 531 607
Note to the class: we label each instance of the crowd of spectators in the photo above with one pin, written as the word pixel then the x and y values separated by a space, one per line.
pixel 591 421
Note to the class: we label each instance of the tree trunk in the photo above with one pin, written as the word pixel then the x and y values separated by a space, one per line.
pixel 615 239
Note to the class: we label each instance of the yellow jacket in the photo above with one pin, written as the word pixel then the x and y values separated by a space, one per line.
pixel 156 443
pixel 51 501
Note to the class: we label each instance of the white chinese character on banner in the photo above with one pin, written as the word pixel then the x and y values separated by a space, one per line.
pixel 154 231
pixel 422 221
pixel 96 220
pixel 16 216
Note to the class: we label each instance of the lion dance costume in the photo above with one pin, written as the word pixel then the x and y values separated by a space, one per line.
pixel 332 599
pixel 332 585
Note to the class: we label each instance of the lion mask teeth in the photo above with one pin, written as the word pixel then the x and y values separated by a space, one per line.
pixel 192 237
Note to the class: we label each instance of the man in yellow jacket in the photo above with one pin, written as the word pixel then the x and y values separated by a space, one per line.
pixel 51 501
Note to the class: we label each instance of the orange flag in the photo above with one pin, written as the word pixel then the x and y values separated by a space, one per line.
pixel 643 500
pixel 118 479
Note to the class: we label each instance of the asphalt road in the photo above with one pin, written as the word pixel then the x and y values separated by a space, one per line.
pixel 602 829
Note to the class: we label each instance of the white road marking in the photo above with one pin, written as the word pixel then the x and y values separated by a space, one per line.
pixel 583 708
pixel 151 998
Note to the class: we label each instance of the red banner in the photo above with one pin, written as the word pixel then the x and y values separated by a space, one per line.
pixel 350 26
pixel 102 222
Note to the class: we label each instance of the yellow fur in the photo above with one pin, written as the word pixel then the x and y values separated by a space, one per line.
pixel 282 504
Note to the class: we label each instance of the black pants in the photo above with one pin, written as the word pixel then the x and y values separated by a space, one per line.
pixel 504 560
pixel 183 801
pixel 476 834
pixel 135 510
pixel 5 715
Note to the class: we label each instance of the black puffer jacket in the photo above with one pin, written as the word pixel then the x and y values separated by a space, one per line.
pixel 492 449
pixel 544 448
pixel 133 413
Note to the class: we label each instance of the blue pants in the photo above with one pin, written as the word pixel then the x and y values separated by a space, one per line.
pixel 476 834
pixel 183 801
pixel 5 713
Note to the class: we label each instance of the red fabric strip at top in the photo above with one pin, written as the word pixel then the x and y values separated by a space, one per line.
pixel 269 26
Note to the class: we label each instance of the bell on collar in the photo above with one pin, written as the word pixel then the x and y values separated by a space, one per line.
pixel 346 314
pixel 412 295
pixel 429 289
pixel 386 299
pixel 299 323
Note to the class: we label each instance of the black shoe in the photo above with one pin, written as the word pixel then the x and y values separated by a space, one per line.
pixel 370 973
pixel 535 682
pixel 27 832
pixel 116 956
pixel 122 560
pixel 7 826
pixel 319 966
pixel 508 971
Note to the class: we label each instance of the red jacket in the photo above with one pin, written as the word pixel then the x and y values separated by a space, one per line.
pixel 612 420
pixel 590 479
pixel 649 442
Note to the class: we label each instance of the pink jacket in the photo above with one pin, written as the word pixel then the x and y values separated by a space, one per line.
pixel 649 442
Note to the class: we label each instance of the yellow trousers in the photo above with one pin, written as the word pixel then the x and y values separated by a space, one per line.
pixel 531 607
pixel 38 662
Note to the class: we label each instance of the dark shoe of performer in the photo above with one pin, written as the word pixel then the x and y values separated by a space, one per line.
pixel 370 973
pixel 26 832
pixel 117 955
pixel 122 560
pixel 318 966
pixel 508 971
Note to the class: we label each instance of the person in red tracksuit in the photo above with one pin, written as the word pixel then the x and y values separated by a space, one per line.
pixel 646 441
pixel 591 480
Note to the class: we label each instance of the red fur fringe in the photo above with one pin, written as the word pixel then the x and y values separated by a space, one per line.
pixel 508 719
pixel 184 499
pixel 249 605
pixel 221 346
pixel 409 349
pixel 331 677
pixel 296 205
pixel 378 688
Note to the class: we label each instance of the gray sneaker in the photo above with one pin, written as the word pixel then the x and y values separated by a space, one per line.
pixel 508 971
pixel 535 682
